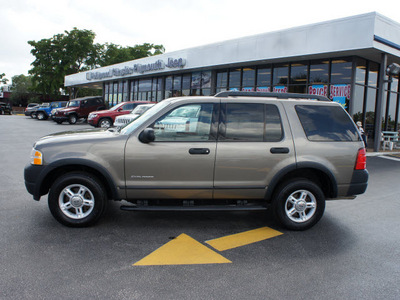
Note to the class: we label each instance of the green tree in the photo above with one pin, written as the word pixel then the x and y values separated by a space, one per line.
pixel 3 80
pixel 63 54
pixel 22 91
pixel 114 54
pixel 73 52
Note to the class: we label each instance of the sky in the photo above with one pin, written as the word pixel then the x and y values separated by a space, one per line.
pixel 176 24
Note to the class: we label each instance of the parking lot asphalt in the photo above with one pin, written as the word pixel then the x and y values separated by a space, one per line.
pixel 352 253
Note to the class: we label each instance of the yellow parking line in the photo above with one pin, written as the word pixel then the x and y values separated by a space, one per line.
pixel 243 238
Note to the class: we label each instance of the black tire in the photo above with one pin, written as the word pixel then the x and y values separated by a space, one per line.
pixel 33 115
pixel 105 123
pixel 298 204
pixel 72 119
pixel 41 116
pixel 77 200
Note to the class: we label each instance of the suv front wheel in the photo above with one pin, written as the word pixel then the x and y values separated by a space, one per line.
pixel 72 119
pixel 299 204
pixel 77 199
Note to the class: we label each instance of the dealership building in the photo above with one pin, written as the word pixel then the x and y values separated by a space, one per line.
pixel 344 59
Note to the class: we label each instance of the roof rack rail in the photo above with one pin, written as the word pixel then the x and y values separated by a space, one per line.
pixel 275 95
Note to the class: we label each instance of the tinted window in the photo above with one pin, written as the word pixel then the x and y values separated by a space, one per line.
pixel 186 123
pixel 326 123
pixel 251 122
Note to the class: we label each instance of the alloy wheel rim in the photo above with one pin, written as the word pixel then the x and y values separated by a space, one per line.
pixel 300 206
pixel 76 201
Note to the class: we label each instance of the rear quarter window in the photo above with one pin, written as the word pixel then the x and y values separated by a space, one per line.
pixel 326 123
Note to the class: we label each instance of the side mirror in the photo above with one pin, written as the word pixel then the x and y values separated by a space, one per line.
pixel 147 136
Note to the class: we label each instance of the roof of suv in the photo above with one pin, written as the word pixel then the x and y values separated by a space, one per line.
pixel 291 96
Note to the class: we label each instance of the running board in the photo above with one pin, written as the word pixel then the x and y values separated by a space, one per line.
pixel 195 208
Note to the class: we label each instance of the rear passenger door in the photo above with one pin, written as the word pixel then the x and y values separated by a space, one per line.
pixel 252 146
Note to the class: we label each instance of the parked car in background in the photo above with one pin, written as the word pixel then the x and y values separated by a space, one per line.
pixel 123 120
pixel 5 108
pixel 44 111
pixel 78 108
pixel 106 118
pixel 29 109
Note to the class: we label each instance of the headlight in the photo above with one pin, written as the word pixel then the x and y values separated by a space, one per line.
pixel 36 157
pixel 92 116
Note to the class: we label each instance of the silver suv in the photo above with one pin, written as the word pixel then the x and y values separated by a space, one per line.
pixel 233 151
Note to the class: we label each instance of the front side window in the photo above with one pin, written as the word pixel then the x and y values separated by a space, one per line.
pixel 190 122
pixel 326 123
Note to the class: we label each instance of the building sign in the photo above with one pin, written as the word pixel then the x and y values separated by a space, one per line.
pixel 280 89
pixel 248 89
pixel 265 89
pixel 137 69
pixel 340 92
pixel 318 89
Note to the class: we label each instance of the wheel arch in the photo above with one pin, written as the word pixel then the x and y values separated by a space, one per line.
pixel 60 168
pixel 314 172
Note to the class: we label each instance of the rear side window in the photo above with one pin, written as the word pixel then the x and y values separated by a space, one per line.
pixel 326 123
pixel 250 122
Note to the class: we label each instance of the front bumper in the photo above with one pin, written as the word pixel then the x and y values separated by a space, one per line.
pixel 32 176
pixel 60 118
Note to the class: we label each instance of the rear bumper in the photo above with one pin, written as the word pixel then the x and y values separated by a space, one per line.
pixel 359 183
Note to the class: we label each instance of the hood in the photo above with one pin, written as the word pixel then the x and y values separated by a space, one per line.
pixel 83 136
pixel 102 112
pixel 67 109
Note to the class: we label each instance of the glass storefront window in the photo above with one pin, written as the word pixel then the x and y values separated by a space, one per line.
pixel 341 71
pixel 361 71
pixel 222 80
pixel 234 79
pixel 370 113
pixel 115 96
pixel 390 117
pixel 358 103
pixel 125 94
pixel 248 79
pixel 319 71
pixel 264 77
pixel 281 73
pixel 206 80
pixel 186 79
pixel 373 71
pixel 301 89
pixel 168 87
pixel 176 92
pixel 298 73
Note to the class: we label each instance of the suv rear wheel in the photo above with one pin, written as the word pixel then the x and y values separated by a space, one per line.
pixel 299 204
pixel 77 199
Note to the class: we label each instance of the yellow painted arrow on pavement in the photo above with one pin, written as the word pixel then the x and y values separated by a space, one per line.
pixel 183 250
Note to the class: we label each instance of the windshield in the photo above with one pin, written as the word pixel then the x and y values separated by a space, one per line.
pixel 143 118
pixel 73 104
pixel 115 107
pixel 140 109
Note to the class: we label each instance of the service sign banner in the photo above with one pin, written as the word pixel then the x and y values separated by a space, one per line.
pixel 318 89
pixel 340 92
pixel 248 89
pixel 280 89
pixel 265 89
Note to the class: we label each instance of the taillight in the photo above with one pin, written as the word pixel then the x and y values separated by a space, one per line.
pixel 361 162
